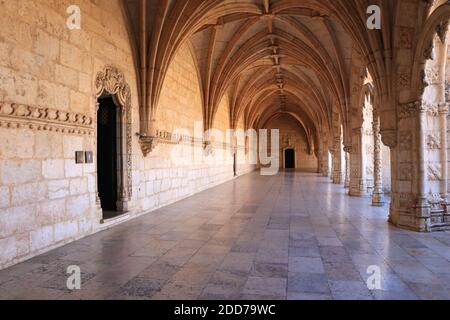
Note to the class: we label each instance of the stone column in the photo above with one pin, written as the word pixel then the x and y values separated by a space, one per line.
pixel 347 167
pixel 337 165
pixel 358 169
pixel 331 173
pixel 319 160
pixel 377 197
pixel 422 206
pixel 443 114
pixel 324 161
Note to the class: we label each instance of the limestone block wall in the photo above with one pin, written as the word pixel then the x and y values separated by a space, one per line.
pixel 47 77
pixel 48 112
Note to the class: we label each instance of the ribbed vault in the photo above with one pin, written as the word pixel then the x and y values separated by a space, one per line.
pixel 269 56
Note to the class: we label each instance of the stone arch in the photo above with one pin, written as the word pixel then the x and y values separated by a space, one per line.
pixel 437 24
pixel 111 81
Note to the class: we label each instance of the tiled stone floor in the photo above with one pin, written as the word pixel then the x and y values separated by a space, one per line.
pixel 292 236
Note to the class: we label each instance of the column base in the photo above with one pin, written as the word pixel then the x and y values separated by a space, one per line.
pixel 378 203
pixel 337 178
pixel 357 192
pixel 377 200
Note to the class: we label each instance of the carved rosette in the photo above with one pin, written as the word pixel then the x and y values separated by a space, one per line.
pixel 112 81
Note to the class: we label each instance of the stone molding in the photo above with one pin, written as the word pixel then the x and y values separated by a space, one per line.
pixel 13 115
pixel 169 138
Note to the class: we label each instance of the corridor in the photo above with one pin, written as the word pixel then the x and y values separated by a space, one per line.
pixel 291 236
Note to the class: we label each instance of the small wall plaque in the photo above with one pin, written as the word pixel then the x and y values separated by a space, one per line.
pixel 89 157
pixel 79 157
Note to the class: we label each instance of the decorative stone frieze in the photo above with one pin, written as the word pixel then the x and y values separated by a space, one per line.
pixel 14 115
pixel 410 109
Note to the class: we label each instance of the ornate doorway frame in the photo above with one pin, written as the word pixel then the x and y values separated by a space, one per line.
pixel 111 82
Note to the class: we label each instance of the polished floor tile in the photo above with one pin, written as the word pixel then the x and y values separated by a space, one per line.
pixel 292 236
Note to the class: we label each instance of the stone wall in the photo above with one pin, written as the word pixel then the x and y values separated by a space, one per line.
pixel 48 112
pixel 292 136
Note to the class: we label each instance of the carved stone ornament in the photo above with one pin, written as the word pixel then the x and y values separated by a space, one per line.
pixel 404 80
pixel 411 109
pixel 432 110
pixel 432 75
pixel 434 172
pixel 112 81
pixel 434 141
pixel 14 115
pixel 435 200
pixel 389 138
pixel 148 144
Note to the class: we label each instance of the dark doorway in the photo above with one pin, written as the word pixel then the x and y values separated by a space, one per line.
pixel 289 158
pixel 235 164
pixel 107 156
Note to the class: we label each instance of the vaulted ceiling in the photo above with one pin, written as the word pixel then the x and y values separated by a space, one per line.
pixel 271 57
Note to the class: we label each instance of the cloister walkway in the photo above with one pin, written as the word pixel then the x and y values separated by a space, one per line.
pixel 290 236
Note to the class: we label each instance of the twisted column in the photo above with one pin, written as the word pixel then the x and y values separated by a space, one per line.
pixel 347 167
pixel 377 197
